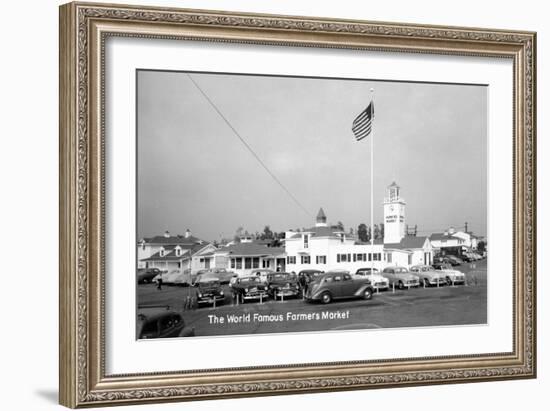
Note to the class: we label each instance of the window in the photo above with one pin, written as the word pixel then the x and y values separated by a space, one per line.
pixel 291 259
pixel 337 278
pixel 247 262
pixel 233 263
pixel 370 256
pixel 179 265
pixel 389 257
pixel 265 263
pixel 161 252
pixel 256 262
pixel 347 277
pixel 354 257
pixel 306 259
pixel 377 256
pixel 409 260
pixel 343 258
pixel 239 262
pixel 321 259
pixel 306 241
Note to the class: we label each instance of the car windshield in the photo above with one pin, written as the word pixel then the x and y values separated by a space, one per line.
pixel 209 284
pixel 249 280
pixel 400 270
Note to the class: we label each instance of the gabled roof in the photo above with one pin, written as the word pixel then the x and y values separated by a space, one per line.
pixel 251 249
pixel 408 243
pixel 173 240
pixel 169 256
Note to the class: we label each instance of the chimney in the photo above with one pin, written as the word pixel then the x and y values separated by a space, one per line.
pixel 187 233
pixel 167 234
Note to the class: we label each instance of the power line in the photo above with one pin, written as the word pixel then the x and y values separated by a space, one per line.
pixel 250 148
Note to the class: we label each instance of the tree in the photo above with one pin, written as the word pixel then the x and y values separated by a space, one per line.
pixel 381 230
pixel 351 231
pixel 340 226
pixel 238 234
pixel 362 233
pixel 481 246
pixel 267 234
pixel 376 232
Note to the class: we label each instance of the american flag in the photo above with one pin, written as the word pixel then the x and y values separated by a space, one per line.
pixel 362 125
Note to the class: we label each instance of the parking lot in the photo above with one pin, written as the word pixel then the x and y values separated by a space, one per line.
pixel 433 306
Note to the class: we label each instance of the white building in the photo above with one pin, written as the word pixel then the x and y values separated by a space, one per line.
pixel 168 253
pixel 324 248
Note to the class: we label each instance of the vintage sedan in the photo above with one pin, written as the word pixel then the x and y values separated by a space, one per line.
pixel 452 276
pixel 428 276
pixel 377 281
pixel 161 322
pixel 209 291
pixel 283 285
pixel 338 285
pixel 221 274
pixel 249 288
pixel 400 277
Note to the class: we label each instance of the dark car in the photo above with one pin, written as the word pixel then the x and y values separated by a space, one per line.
pixel 249 288
pixel 338 285
pixel 146 275
pixel 209 291
pixel 283 285
pixel 161 322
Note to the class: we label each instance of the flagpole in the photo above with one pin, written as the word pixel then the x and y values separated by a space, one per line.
pixel 372 185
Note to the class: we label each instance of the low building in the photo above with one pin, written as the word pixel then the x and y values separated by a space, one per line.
pixel 244 258
pixel 409 251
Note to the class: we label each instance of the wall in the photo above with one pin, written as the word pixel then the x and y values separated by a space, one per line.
pixel 28 218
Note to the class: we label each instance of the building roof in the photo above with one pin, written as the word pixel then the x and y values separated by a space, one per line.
pixel 321 214
pixel 407 243
pixel 441 236
pixel 169 256
pixel 393 184
pixel 251 249
pixel 322 232
pixel 173 240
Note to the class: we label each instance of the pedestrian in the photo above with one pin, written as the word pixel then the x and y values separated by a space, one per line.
pixel 159 282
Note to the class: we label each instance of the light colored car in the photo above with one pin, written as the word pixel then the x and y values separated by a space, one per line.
pixel 263 273
pixel 452 276
pixel 378 282
pixel 428 276
pixel 400 277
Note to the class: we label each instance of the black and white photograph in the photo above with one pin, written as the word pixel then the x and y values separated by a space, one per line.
pixel 285 204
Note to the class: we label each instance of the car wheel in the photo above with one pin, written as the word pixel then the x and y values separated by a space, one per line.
pixel 326 298
pixel 400 285
pixel 426 282
pixel 449 281
pixel 367 295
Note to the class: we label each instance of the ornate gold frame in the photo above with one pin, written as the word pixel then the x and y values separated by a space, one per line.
pixel 83 30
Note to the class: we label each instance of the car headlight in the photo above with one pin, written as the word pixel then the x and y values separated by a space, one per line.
pixel 221 292
pixel 200 295
pixel 246 290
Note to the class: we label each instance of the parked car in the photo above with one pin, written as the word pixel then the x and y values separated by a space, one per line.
pixel 377 281
pixel 283 285
pixel 337 285
pixel 263 273
pixel 161 322
pixel 428 276
pixel 147 275
pixel 174 277
pixel 453 260
pixel 452 276
pixel 400 277
pixel 221 274
pixel 209 291
pixel 305 277
pixel 249 288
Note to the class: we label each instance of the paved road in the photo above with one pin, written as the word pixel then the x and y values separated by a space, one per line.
pixel 458 305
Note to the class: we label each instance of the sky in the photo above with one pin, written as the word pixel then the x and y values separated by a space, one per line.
pixel 194 173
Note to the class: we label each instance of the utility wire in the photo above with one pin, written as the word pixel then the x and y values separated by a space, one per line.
pixel 250 148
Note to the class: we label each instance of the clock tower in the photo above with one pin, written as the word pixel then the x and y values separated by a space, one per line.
pixel 394 215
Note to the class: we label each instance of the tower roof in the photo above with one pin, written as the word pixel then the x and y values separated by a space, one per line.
pixel 394 184
pixel 321 214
